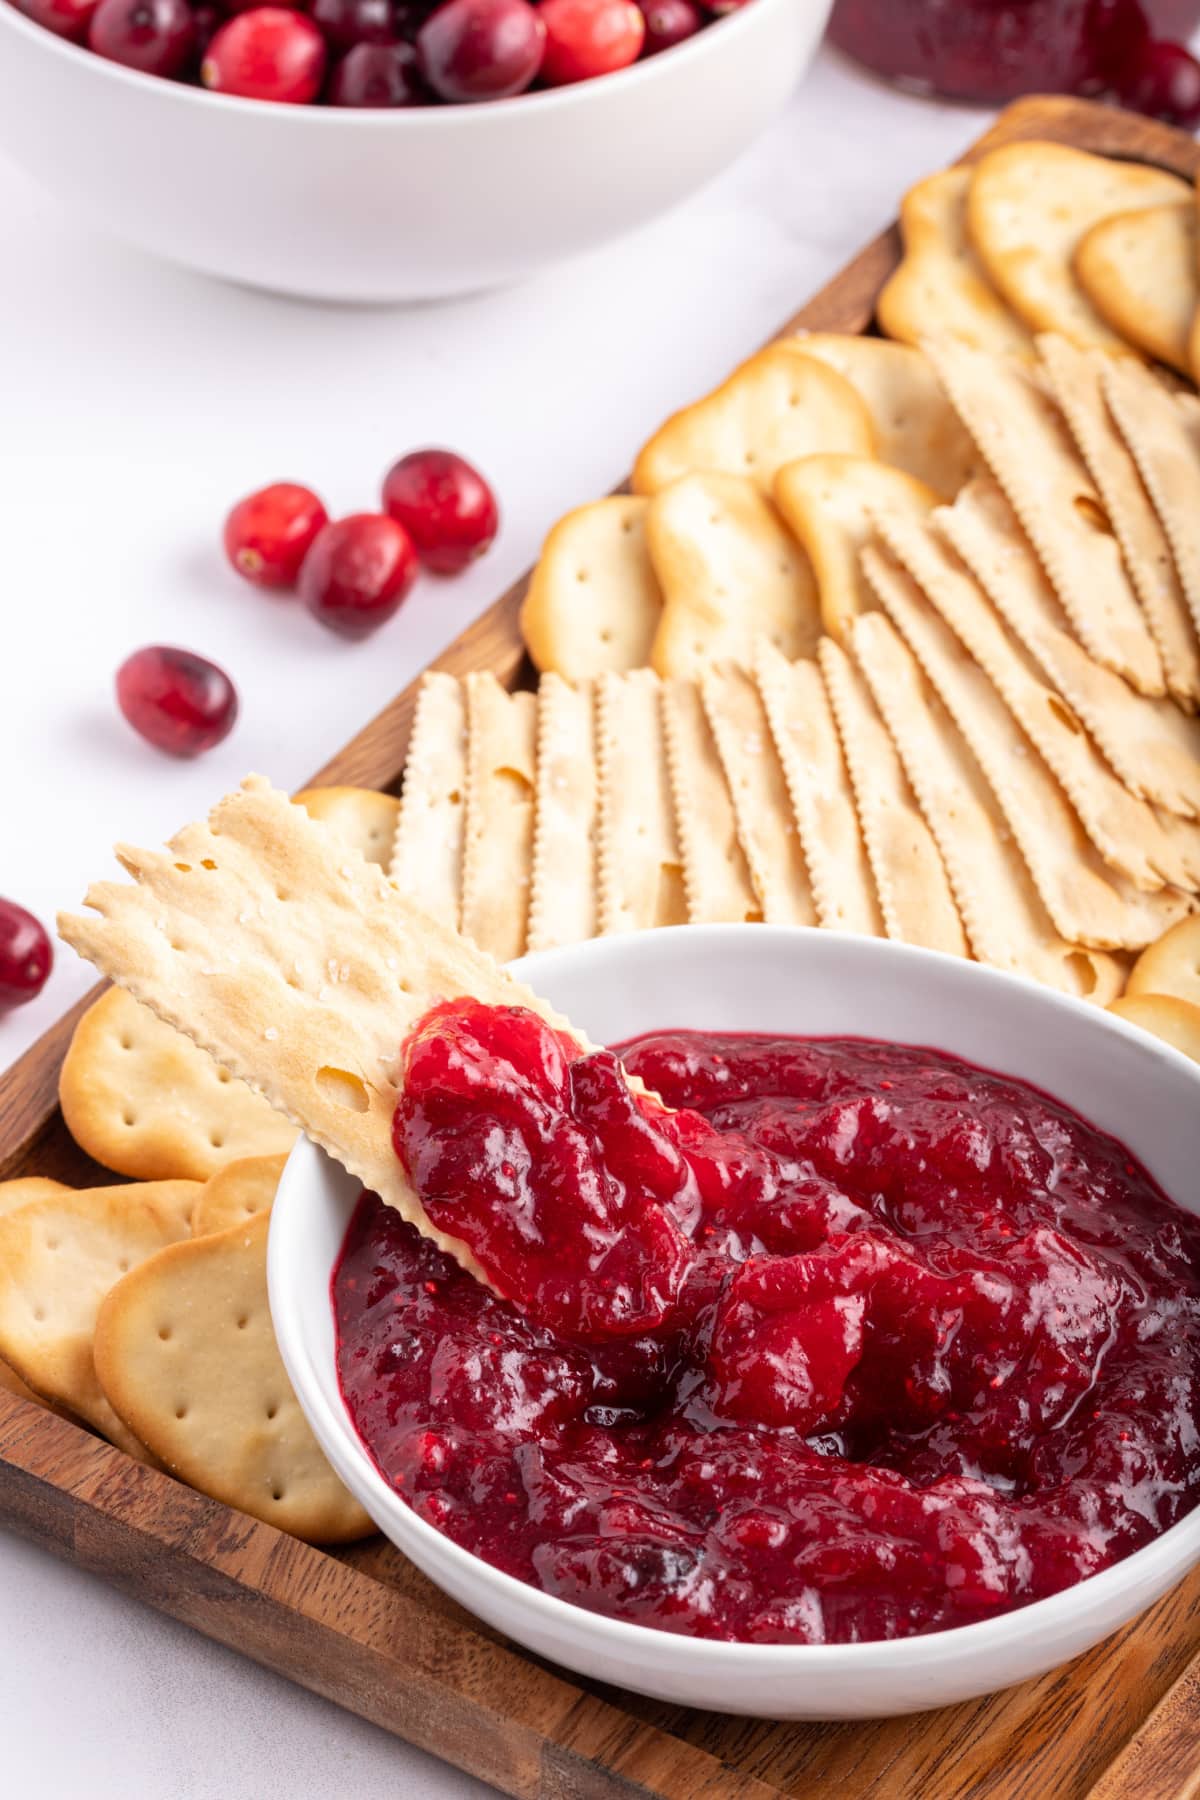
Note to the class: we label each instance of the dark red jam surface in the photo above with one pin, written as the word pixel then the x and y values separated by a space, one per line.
pixel 860 1341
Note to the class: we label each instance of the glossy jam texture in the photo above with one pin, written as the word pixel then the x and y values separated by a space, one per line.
pixel 860 1342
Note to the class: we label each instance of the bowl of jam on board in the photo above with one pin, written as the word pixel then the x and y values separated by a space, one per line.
pixel 846 1364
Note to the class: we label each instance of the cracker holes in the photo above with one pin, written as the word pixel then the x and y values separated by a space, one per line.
pixel 128 1118
pixel 217 1139
pixel 793 399
pixel 343 1088
pixel 242 1321
pixel 223 1076
pixel 277 1492
pixel 164 1334
pixel 207 862
pixel 272 1410
pixel 282 895
pixel 126 1043
pixel 582 575
pixel 123 1265
pixel 455 797
pixel 749 458
pixel 181 1412
pixel 184 868
pixel 606 637
pixel 52 1243
pixel 627 527
pixel 785 567
pixel 39 1313
pixel 1063 714
pixel 1093 516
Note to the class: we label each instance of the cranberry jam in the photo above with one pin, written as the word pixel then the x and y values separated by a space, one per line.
pixel 858 1342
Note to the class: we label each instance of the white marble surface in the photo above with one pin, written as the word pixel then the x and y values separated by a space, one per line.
pixel 136 403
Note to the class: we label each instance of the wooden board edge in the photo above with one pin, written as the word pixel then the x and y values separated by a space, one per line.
pixel 526 1729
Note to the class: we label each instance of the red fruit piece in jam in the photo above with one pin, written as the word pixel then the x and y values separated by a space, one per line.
pixel 177 701
pixel 566 1188
pixel 445 505
pixel 26 955
pixel 357 573
pixel 669 22
pixel 481 49
pixel 66 18
pixel 785 1342
pixel 155 36
pixel 589 37
pixel 268 534
pixel 268 53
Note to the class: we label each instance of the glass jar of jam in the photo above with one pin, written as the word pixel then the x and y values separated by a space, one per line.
pixel 989 51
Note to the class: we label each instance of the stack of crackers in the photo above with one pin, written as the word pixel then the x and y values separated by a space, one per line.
pixel 140 1309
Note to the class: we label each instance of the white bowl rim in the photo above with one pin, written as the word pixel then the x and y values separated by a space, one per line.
pixel 354 1464
pixel 401 118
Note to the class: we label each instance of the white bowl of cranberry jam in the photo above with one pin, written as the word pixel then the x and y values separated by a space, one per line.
pixel 861 1377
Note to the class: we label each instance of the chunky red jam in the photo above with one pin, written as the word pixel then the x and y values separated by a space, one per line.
pixel 861 1341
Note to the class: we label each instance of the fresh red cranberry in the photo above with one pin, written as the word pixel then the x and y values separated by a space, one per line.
pixel 177 701
pixel 66 18
pixel 446 507
pixel 1164 81
pixel 154 36
pixel 349 22
pixel 376 75
pixel 358 572
pixel 481 49
pixel 268 53
pixel 669 22
pixel 1116 32
pixel 26 955
pixel 268 534
pixel 408 20
pixel 589 37
pixel 206 22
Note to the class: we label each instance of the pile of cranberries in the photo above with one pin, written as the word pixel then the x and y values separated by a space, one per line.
pixel 351 573
pixel 377 52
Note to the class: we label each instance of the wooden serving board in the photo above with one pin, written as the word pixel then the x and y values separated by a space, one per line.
pixel 365 1629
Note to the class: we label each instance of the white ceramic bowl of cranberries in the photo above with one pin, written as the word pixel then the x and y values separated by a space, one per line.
pixel 790 981
pixel 391 204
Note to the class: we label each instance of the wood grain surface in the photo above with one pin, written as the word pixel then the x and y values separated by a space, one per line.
pixel 364 1628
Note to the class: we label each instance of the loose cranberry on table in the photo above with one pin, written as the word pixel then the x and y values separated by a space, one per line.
pixel 268 53
pixel 669 22
pixel 26 955
pixel 65 18
pixel 1164 81
pixel 445 505
pixel 269 533
pixel 589 37
pixel 177 701
pixel 358 572
pixel 470 50
pixel 376 75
